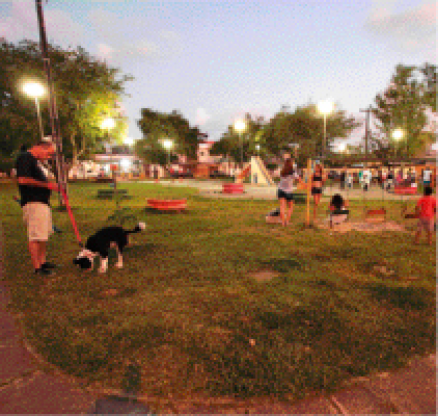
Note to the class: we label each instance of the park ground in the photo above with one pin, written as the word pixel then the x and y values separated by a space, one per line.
pixel 214 302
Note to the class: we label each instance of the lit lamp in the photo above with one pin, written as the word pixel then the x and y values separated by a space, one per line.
pixel 240 127
pixel 325 108
pixel 168 144
pixel 108 124
pixel 35 90
pixel 257 146
pixel 397 135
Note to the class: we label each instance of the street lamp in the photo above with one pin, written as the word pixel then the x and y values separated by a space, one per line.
pixel 35 90
pixel 167 144
pixel 108 124
pixel 240 127
pixel 397 134
pixel 325 108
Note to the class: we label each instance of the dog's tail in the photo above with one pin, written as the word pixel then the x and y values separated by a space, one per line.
pixel 139 227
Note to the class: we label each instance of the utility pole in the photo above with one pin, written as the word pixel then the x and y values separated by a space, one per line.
pixel 367 128
pixel 56 133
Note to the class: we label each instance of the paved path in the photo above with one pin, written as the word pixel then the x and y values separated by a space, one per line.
pixel 214 189
pixel 29 386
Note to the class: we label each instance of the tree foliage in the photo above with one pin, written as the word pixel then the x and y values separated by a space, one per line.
pixel 157 126
pixel 404 105
pixel 233 144
pixel 87 91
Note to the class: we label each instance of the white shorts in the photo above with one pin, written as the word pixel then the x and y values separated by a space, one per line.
pixel 38 219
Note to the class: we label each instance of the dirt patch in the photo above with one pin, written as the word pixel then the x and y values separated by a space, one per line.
pixel 263 275
pixel 366 227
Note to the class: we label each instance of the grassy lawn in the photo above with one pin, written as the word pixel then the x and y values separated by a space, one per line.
pixel 187 308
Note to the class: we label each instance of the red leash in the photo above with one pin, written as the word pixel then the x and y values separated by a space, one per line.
pixel 70 213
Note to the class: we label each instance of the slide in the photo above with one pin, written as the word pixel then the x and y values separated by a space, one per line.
pixel 245 172
pixel 259 173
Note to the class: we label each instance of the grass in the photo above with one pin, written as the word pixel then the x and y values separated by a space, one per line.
pixel 186 309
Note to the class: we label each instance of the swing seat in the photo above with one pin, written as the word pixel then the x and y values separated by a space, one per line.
pixel 412 215
pixel 338 216
pixel 375 215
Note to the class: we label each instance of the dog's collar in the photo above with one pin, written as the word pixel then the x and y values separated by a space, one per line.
pixel 87 253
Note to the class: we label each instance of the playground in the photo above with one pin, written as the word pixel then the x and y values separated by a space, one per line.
pixel 214 303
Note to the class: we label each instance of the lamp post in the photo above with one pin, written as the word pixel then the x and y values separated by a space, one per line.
pixel 36 90
pixel 108 124
pixel 325 108
pixel 167 144
pixel 397 135
pixel 240 127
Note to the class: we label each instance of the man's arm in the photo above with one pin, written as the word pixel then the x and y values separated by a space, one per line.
pixel 40 184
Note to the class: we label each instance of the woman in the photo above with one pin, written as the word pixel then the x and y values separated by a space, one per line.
pixel 285 190
pixel 317 183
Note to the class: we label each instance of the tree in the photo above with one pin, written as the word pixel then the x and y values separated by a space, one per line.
pixel 233 144
pixel 304 128
pixel 404 105
pixel 87 90
pixel 157 126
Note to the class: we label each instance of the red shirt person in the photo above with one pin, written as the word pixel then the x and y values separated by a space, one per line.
pixel 426 210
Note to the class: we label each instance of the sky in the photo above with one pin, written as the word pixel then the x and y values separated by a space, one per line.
pixel 216 60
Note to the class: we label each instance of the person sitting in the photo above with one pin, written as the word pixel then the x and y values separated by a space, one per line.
pixel 338 210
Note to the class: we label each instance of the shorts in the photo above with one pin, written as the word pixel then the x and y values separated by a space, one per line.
pixel 316 191
pixel 285 195
pixel 426 183
pixel 426 224
pixel 38 219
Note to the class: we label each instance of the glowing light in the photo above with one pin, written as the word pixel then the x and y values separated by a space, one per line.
pixel 108 124
pixel 34 89
pixel 167 144
pixel 326 107
pixel 129 141
pixel 397 134
pixel 125 164
pixel 239 126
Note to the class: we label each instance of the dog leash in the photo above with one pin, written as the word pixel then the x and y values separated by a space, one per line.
pixel 70 213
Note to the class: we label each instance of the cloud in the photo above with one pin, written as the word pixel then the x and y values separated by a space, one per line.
pixel 411 31
pixel 132 38
pixel 22 23
pixel 202 117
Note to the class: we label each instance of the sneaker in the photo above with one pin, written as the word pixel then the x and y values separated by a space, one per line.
pixel 44 272
pixel 47 265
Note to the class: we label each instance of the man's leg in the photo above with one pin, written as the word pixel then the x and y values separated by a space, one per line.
pixel 34 251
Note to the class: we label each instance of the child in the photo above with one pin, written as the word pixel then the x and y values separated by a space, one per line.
pixel 339 213
pixel 288 176
pixel 426 210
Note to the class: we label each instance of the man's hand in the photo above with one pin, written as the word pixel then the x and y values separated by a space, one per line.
pixel 53 186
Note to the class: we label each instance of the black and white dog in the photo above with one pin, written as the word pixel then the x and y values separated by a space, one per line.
pixel 99 244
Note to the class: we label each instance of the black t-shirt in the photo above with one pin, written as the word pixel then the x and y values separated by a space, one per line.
pixel 27 167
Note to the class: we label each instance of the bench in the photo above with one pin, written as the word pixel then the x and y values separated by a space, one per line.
pixel 168 204
pixel 110 193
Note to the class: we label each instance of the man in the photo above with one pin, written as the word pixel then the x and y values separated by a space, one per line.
pixel 35 190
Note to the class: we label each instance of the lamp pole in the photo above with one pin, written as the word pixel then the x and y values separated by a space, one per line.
pixel 240 127
pixel 325 108
pixel 167 144
pixel 36 90
pixel 107 125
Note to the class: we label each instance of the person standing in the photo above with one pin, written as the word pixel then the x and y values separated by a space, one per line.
pixel 35 191
pixel 426 211
pixel 427 176
pixel 288 176
pixel 317 184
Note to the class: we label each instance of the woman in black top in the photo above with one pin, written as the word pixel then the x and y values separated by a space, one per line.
pixel 317 183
